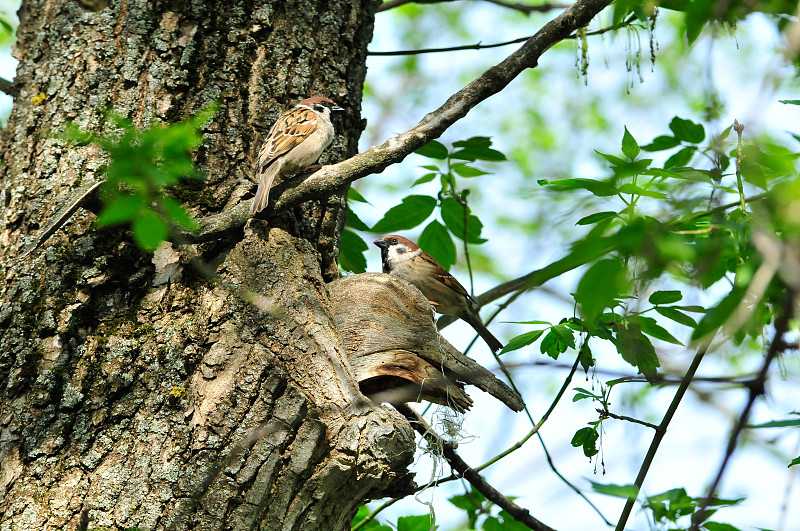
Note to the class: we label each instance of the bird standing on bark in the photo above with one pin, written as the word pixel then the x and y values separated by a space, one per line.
pixel 403 258
pixel 293 144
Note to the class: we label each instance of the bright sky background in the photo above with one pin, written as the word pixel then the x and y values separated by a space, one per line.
pixel 750 79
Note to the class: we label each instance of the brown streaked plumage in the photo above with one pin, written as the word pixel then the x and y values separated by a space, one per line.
pixel 403 258
pixel 294 143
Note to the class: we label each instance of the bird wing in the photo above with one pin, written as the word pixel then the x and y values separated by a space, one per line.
pixel 290 129
pixel 428 264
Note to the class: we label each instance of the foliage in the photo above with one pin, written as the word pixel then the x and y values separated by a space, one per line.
pixel 455 218
pixel 142 163
pixel 665 233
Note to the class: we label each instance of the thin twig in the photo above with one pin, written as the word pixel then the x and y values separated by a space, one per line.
pixel 744 380
pixel 391 4
pixel 6 86
pixel 776 346
pixel 535 431
pixel 480 46
pixel 607 414
pixel 481 485
pixel 739 128
pixel 662 428
pixel 524 8
pixel 723 208
pixel 371 516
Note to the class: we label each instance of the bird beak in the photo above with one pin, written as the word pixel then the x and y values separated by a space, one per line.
pixel 380 243
pixel 337 108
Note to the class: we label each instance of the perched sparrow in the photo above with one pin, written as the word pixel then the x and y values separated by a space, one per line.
pixel 293 144
pixel 403 258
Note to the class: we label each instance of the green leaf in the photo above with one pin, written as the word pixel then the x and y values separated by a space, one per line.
pixel 622 8
pixel 687 130
pixel 428 177
pixel 413 210
pixel 354 195
pixel 149 230
pixel 716 316
pixel 474 142
pixel 464 170
pixel 629 145
pixel 616 161
pixel 508 523
pixel 790 102
pixel 473 500
pixel 598 188
pixel 665 297
pixel 636 349
pixel 471 503
pixel 415 523
pixel 473 153
pixel 372 525
pixel 177 214
pixel 453 217
pixel 586 357
pixel 620 491
pixel 600 286
pixel 630 188
pixel 522 340
pixel 660 143
pixel 351 253
pixel 437 242
pixel 583 394
pixel 586 438
pixel 717 526
pixel 565 335
pixel 681 158
pixel 594 218
pixel 795 461
pixel 354 221
pixel 650 327
pixel 433 150
pixel 676 315
pixel 776 424
pixel 120 209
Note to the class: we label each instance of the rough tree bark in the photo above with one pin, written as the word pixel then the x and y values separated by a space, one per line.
pixel 130 387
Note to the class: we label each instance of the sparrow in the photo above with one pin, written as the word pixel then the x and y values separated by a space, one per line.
pixel 403 258
pixel 294 143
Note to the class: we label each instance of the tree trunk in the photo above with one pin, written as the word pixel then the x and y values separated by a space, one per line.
pixel 132 388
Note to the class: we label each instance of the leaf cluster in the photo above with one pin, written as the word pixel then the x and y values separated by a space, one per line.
pixel 453 216
pixel 142 165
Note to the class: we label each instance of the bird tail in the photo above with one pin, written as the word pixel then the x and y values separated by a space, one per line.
pixel 493 342
pixel 265 179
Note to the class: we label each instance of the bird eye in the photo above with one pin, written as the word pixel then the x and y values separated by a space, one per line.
pixel 393 240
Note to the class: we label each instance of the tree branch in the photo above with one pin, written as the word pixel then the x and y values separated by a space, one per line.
pixel 662 428
pixel 757 389
pixel 481 485
pixel 7 86
pixel 331 178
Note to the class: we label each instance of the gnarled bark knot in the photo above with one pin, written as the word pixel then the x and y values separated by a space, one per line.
pixel 395 352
